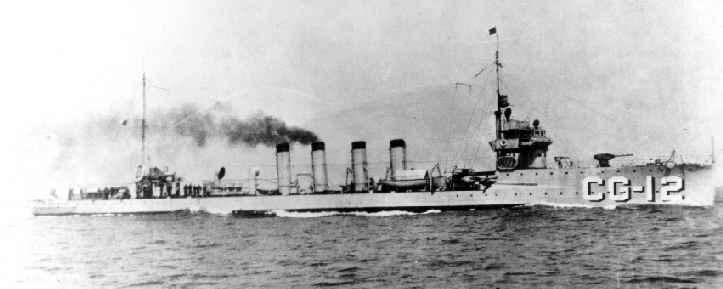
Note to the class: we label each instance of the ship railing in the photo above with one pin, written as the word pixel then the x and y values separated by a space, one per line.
pixel 633 161
pixel 245 186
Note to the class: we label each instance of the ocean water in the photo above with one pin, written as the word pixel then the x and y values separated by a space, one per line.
pixel 525 247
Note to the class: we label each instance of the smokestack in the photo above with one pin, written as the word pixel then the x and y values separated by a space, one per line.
pixel 283 168
pixel 397 156
pixel 360 178
pixel 318 167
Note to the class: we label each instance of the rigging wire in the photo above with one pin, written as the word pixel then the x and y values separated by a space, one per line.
pixel 469 123
pixel 474 116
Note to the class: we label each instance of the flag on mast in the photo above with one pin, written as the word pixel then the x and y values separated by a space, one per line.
pixel 493 30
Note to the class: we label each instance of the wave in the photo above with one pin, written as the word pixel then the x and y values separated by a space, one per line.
pixel 572 206
pixel 394 213
pixel 661 279
pixel 108 215
pixel 214 212
pixel 390 213
pixel 288 214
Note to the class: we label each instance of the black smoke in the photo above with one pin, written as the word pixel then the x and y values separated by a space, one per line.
pixel 265 130
pixel 189 121
pixel 106 147
pixel 258 129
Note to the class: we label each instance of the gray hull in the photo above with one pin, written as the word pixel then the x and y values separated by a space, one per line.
pixel 557 187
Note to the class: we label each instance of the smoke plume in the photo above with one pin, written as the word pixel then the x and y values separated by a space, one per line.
pixel 258 129
pixel 264 129
pixel 105 148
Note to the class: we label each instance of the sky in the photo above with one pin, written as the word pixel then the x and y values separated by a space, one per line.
pixel 639 76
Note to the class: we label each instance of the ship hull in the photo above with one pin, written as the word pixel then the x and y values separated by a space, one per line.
pixel 494 197
pixel 556 187
pixel 414 201
pixel 647 184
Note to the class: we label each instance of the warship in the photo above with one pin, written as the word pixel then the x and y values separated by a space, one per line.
pixel 523 175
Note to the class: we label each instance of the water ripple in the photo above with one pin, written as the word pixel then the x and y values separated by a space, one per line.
pixel 523 247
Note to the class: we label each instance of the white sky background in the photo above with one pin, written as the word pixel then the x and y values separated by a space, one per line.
pixel 655 64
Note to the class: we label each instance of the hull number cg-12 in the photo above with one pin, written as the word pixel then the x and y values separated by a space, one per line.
pixel 620 190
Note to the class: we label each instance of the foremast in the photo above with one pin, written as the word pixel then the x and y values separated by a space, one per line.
pixel 143 122
pixel 517 144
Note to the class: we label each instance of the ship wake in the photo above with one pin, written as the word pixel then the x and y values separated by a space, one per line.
pixel 571 206
pixel 387 213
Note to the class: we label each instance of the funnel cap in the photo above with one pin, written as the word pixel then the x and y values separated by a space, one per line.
pixel 358 145
pixel 282 147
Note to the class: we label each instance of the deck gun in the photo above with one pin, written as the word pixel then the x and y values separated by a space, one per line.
pixel 603 159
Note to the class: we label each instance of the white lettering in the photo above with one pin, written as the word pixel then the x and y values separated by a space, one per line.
pixel 671 184
pixel 622 195
pixel 650 188
pixel 620 189
pixel 597 196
